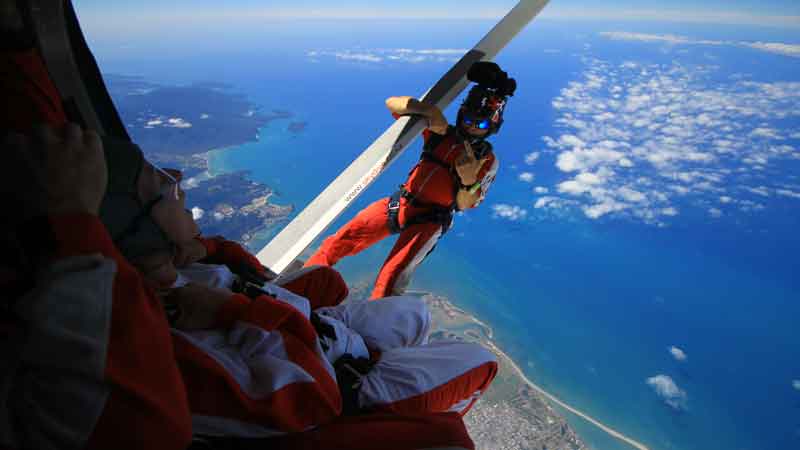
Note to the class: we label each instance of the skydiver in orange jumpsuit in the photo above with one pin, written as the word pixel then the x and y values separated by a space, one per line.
pixel 454 173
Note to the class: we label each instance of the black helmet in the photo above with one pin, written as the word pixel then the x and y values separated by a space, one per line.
pixel 487 99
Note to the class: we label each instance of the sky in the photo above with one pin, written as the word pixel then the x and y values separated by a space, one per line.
pixel 765 12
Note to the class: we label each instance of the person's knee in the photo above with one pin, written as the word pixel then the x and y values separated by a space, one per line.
pixel 334 284
pixel 418 317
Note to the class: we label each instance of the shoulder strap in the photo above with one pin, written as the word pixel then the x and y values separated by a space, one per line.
pixel 428 150
pixel 435 139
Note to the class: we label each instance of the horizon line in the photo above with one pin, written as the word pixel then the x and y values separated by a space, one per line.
pixel 672 16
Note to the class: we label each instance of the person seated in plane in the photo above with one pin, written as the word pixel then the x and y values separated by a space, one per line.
pixel 55 368
pixel 203 298
pixel 86 348
pixel 142 389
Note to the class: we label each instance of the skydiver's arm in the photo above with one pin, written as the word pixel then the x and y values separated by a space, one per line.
pixel 471 195
pixel 466 199
pixel 409 105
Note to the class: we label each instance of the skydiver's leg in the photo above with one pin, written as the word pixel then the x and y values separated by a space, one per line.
pixel 435 377
pixel 411 248
pixel 367 227
pixel 388 431
pixel 391 323
pixel 321 285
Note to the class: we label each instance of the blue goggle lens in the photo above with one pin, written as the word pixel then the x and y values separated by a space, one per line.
pixel 481 124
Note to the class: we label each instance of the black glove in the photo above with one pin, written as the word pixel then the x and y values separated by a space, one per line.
pixel 249 274
pixel 323 329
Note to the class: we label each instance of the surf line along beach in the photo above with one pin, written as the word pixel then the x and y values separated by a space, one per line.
pixel 614 433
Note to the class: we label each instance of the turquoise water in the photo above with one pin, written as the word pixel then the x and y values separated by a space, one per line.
pixel 587 308
pixel 588 312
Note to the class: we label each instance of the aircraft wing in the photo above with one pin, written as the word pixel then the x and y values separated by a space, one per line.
pixel 326 207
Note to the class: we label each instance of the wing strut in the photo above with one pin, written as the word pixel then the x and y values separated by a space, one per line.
pixel 324 209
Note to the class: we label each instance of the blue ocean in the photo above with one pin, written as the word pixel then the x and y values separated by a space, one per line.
pixel 599 299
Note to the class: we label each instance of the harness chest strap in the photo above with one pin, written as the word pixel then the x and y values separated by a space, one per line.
pixel 436 213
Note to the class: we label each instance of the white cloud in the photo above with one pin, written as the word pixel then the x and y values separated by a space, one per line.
pixel 669 211
pixel 667 130
pixel 204 116
pixel 671 39
pixel 197 213
pixel 541 190
pixel 526 177
pixel 384 55
pixel 509 212
pixel 631 195
pixel 760 190
pixel 796 384
pixel 549 202
pixel 583 159
pixel 788 193
pixel 444 51
pixel 571 141
pixel 177 122
pixel 666 388
pixel 775 47
pixel 661 38
pixel 531 158
pixel 605 207
pixel 767 133
pixel 715 212
pixel 677 353
pixel 362 57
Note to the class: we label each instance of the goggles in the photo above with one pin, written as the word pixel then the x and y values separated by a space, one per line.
pixel 481 124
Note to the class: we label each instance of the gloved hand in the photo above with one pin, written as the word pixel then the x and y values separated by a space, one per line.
pixel 238 260
pixel 323 329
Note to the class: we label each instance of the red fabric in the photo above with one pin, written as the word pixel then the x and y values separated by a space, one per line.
pixel 384 431
pixel 29 95
pixel 409 244
pixel 230 312
pixel 294 407
pixel 443 397
pixel 432 183
pixel 365 229
pixel 368 227
pixel 147 393
pixel 322 286
pixel 222 251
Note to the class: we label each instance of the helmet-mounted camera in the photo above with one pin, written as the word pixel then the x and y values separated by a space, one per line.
pixel 487 99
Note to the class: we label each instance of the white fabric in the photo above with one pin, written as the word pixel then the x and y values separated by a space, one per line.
pixel 396 326
pixel 406 372
pixel 347 341
pixel 52 377
pixel 387 323
pixel 488 179
pixel 255 358
pixel 213 275
pixel 218 275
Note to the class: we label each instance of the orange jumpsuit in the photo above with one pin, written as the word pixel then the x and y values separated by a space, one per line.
pixel 433 186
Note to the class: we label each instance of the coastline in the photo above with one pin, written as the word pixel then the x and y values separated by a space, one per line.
pixel 456 324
